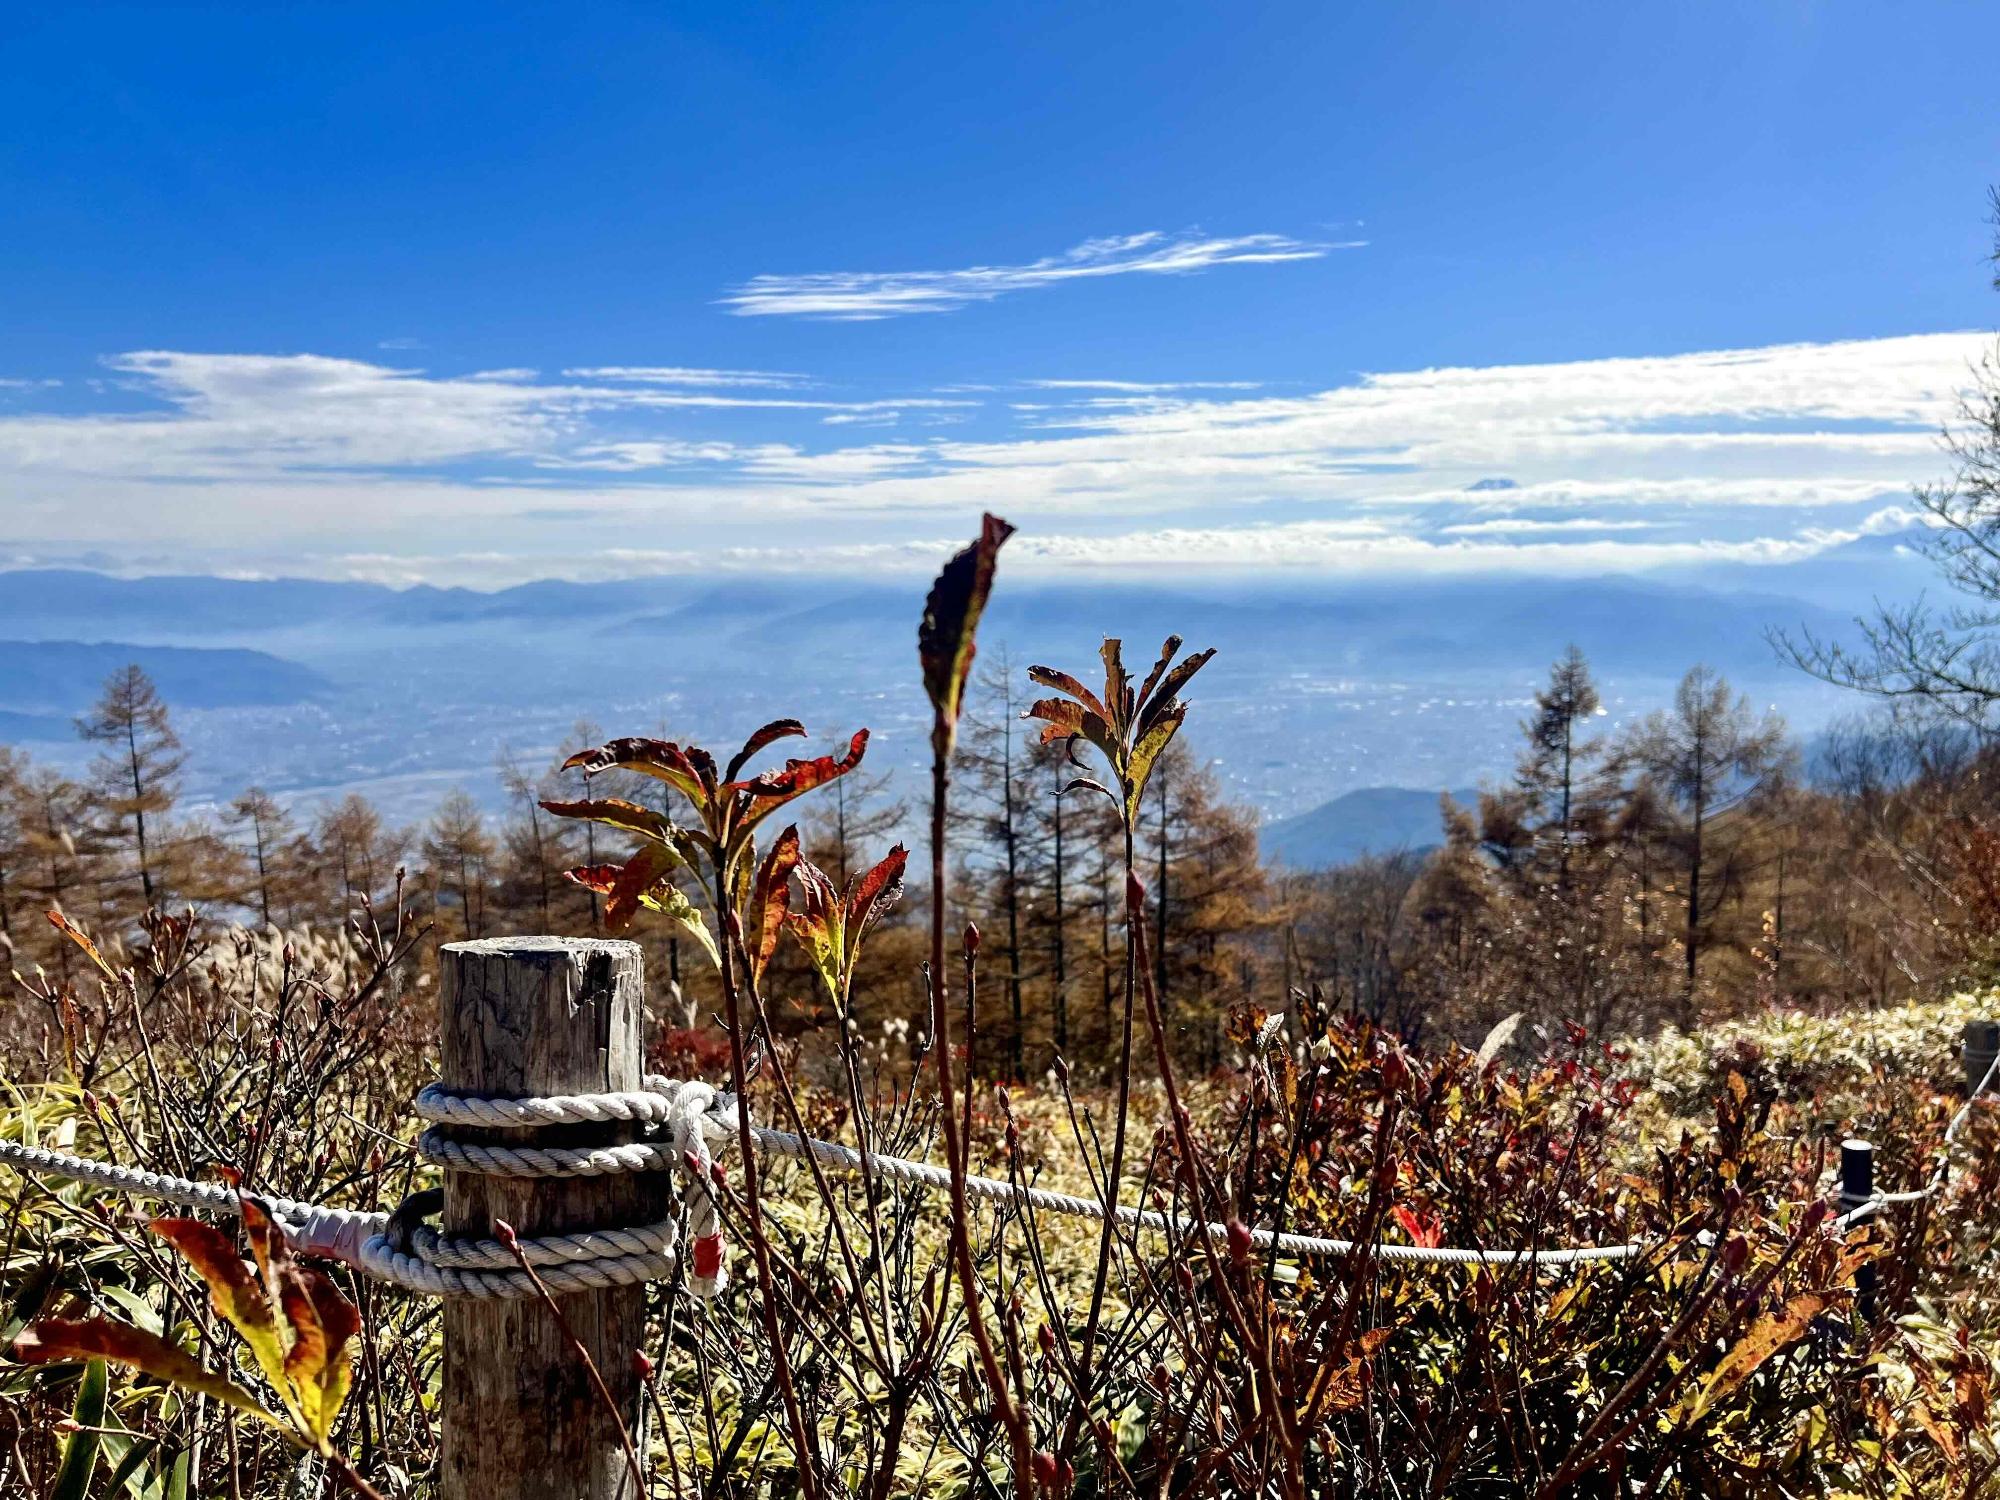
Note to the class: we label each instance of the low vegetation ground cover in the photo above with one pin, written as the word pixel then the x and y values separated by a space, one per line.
pixel 878 1338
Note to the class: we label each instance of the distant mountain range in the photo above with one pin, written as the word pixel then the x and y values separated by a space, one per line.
pixel 42 683
pixel 1372 820
pixel 1427 626
pixel 1322 685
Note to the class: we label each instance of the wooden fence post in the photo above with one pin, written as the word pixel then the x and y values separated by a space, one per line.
pixel 1982 1044
pixel 1857 1186
pixel 521 1420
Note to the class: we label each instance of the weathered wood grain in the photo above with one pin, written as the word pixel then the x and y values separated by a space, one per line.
pixel 521 1420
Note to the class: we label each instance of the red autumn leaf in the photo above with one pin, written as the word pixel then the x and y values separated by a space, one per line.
pixel 615 812
pixel 764 795
pixel 1427 1236
pixel 1062 682
pixel 1169 649
pixel 777 729
pixel 598 878
pixel 770 900
pixel 689 771
pixel 877 891
pixel 62 1340
pixel 1162 700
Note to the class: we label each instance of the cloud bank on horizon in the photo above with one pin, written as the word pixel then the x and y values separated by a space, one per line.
pixel 342 467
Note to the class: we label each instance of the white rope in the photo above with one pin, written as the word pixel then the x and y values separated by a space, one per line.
pixel 700 1120
pixel 1940 1174
pixel 435 1264
pixel 685 1101
pixel 544 1161
pixel 441 1106
pixel 408 1269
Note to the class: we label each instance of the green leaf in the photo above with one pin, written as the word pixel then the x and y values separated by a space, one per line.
pixel 820 925
pixel 945 644
pixel 130 1475
pixel 142 1312
pixel 80 1453
pixel 673 903
pixel 1149 749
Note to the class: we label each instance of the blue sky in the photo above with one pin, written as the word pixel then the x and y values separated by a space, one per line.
pixel 474 294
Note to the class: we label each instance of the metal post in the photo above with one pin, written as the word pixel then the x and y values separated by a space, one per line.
pixel 1982 1045
pixel 521 1419
pixel 1857 1186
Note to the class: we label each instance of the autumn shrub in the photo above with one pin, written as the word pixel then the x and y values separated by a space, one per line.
pixel 882 1336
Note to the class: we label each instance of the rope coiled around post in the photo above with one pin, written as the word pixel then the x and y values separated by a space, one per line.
pixel 696 1118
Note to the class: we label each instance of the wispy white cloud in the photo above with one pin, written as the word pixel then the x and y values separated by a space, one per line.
pixel 859 296
pixel 1141 387
pixel 685 375
pixel 632 458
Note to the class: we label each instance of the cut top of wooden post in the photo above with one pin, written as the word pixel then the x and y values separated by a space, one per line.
pixel 543 1015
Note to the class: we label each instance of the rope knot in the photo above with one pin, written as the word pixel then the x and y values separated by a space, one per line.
pixel 700 1120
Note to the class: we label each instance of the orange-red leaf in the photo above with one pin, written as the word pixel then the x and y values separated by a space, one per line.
pixel 1062 682
pixel 689 771
pixel 81 938
pixel 1764 1338
pixel 877 891
pixel 771 897
pixel 60 1340
pixel 765 794
pixel 777 729
pixel 1150 709
pixel 234 1291
pixel 643 871
pixel 1428 1235
pixel 1117 684
pixel 616 812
